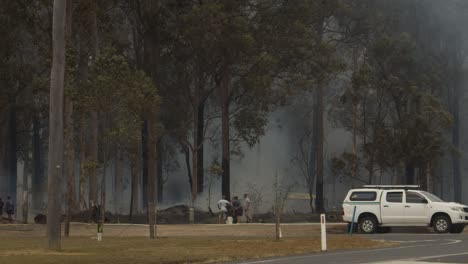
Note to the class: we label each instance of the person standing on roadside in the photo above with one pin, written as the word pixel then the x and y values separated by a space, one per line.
pixel 223 211
pixel 10 208
pixel 237 208
pixel 247 210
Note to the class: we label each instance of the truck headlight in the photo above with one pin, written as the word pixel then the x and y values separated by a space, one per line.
pixel 459 209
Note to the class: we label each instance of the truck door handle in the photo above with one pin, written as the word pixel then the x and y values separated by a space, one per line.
pixel 407 206
pixel 385 206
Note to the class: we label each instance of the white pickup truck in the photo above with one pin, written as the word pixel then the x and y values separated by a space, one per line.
pixel 378 207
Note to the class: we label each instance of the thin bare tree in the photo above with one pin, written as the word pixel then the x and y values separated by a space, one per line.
pixel 55 171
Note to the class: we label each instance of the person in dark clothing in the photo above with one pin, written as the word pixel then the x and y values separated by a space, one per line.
pixel 237 208
pixel 10 208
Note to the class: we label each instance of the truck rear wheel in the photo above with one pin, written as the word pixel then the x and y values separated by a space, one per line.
pixel 442 224
pixel 368 225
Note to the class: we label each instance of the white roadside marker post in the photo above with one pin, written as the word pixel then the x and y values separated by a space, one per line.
pixel 323 232
pixel 99 231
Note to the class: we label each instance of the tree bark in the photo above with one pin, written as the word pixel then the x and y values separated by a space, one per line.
pixel 199 144
pixel 152 171
pixel 37 160
pixel 26 187
pixel 83 170
pixel 93 192
pixel 55 156
pixel 187 164
pixel 69 134
pixel 457 181
pixel 104 180
pixel 312 168
pixel 135 168
pixel 69 152
pixel 195 103
pixel 319 202
pixel 409 173
pixel 145 159
pixel 159 166
pixel 319 109
pixel 12 149
pixel 119 166
pixel 226 155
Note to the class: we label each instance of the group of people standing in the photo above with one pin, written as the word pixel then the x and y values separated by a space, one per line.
pixel 9 207
pixel 235 208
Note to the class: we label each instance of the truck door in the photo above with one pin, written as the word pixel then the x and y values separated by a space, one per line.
pixel 393 208
pixel 416 209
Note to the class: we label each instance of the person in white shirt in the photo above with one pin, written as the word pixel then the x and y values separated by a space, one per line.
pixel 247 210
pixel 223 211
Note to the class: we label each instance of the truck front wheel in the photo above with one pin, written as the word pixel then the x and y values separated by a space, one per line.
pixel 368 225
pixel 442 224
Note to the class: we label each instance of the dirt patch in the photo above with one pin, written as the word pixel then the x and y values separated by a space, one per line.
pixel 170 250
pixel 37 252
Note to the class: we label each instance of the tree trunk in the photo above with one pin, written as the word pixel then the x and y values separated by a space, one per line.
pixel 93 192
pixel 12 149
pixel 199 144
pixel 409 173
pixel 457 181
pixel 319 202
pixel 83 170
pixel 226 155
pixel 93 168
pixel 37 171
pixel 70 158
pixel 135 165
pixel 370 166
pixel 145 159
pixel 187 164
pixel 105 158
pixel 119 166
pixel 355 154
pixel 312 168
pixel 83 61
pixel 55 156
pixel 26 187
pixel 151 186
pixel 69 134
pixel 159 181
pixel 194 175
pixel 429 179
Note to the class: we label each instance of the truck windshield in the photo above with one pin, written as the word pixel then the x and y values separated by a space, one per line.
pixel 432 197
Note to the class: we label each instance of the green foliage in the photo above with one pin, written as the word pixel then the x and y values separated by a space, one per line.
pixel 215 169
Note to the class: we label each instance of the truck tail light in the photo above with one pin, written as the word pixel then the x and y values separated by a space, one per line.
pixel 342 211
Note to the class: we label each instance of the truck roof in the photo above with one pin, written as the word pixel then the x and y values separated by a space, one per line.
pixel 387 187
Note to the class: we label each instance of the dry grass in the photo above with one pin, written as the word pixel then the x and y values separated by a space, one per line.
pixel 123 250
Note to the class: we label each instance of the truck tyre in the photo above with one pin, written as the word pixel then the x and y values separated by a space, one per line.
pixel 368 225
pixel 442 224
pixel 457 229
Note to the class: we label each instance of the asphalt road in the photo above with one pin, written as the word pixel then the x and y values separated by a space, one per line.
pixel 417 248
